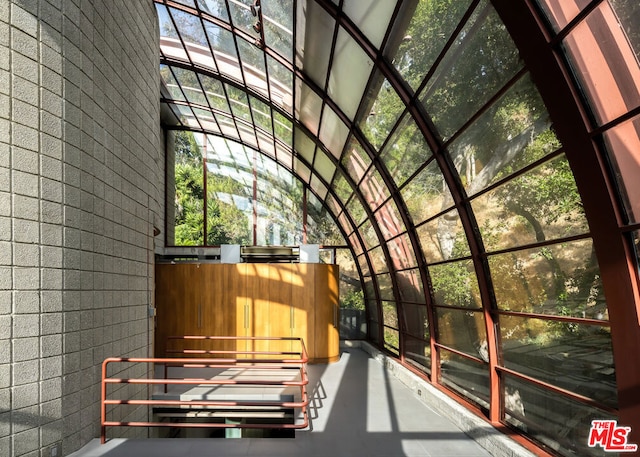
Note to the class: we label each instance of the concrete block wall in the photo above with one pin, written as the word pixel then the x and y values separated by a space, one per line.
pixel 81 189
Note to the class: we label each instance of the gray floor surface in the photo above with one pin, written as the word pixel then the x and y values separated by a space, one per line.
pixel 357 409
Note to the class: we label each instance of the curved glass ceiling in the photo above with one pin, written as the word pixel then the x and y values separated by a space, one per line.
pixel 418 127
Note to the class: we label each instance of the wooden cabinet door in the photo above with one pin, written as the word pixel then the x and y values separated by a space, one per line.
pixel 178 305
pixel 303 305
pixel 326 335
pixel 280 309
pixel 258 300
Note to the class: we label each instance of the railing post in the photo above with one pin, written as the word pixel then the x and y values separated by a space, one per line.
pixel 103 406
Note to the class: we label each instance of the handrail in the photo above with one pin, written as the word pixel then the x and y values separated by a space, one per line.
pixel 257 363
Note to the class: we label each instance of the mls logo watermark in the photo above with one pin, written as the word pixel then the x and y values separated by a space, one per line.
pixel 610 437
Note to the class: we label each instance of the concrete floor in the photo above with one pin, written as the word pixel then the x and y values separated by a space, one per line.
pixel 359 408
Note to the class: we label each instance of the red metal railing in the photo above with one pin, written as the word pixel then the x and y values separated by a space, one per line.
pixel 251 365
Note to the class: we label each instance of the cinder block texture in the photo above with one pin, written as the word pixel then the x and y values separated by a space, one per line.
pixel 81 186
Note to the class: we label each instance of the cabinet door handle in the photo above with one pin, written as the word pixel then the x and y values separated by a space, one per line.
pixel 246 317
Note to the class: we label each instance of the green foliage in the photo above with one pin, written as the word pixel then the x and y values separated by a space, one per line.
pixel 354 299
pixel 453 284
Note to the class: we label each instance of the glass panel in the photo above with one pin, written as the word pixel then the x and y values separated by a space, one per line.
pixel 303 172
pixel 355 160
pixel 227 126
pixel 283 129
pixel 560 14
pixel 188 81
pixel 321 228
pixel 323 166
pixel 308 106
pixel 333 132
pixel 427 194
pixel 261 114
pixel 215 93
pixel 401 252
pixel 304 145
pixel 369 235
pixel 371 17
pixel 224 48
pixel 418 353
pixel 318 186
pixel 561 280
pixel 623 145
pixel 171 88
pixel 241 16
pixel 189 28
pixel 512 134
pixel 628 13
pixel 552 419
pixel 416 320
pixel 229 215
pixel 392 340
pixel 443 238
pixel 215 8
pixel 573 356
pixel 369 288
pixel 405 151
pixel 386 287
pixel 470 379
pixel 353 321
pixel 384 113
pixel 253 66
pixel 431 25
pixel 378 261
pixel 482 60
pixel 389 220
pixel 356 211
pixel 349 74
pixel 373 188
pixel 189 191
pixel 313 41
pixel 410 287
pixel 278 26
pixel 281 85
pixel 455 284
pixel 463 331
pixel 239 103
pixel 541 205
pixel 342 187
pixel 206 120
pixel 364 266
pixel 605 63
pixel 390 314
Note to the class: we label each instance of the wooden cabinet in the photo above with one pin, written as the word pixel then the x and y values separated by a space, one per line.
pixel 250 299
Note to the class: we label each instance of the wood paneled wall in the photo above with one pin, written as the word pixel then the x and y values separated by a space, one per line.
pixel 249 299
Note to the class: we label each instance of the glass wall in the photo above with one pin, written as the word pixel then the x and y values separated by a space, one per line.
pixel 463 238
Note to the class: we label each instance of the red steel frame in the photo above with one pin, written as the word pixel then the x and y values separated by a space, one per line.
pixel 257 362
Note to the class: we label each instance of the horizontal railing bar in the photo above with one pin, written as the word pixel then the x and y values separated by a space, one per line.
pixel 205 382
pixel 205 351
pixel 283 404
pixel 291 366
pixel 198 360
pixel 241 338
pixel 205 425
